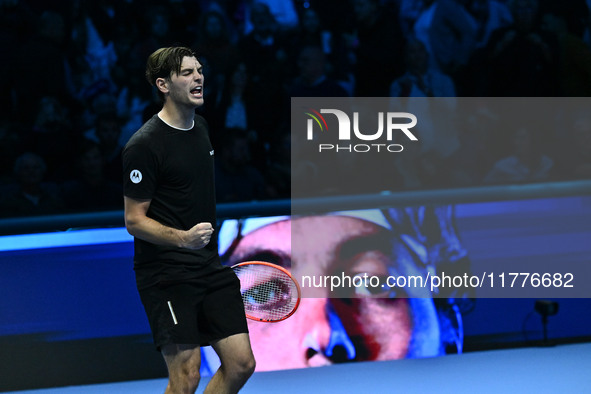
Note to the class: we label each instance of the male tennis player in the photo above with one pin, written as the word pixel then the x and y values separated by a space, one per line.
pixel 191 300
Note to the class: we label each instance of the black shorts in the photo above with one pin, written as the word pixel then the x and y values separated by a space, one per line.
pixel 196 312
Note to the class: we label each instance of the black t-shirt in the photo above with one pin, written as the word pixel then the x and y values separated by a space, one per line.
pixel 175 170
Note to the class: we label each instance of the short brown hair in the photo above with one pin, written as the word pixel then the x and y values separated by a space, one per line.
pixel 166 61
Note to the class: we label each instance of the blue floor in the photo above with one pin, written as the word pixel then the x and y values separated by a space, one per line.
pixel 559 369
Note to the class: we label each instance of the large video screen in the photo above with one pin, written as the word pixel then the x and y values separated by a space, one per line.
pixel 383 284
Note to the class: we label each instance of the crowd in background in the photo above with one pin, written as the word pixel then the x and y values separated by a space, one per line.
pixel 73 88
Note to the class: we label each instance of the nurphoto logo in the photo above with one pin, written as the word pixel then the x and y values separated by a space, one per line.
pixel 389 125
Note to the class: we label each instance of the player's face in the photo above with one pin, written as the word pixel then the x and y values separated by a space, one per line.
pixel 186 87
pixel 326 329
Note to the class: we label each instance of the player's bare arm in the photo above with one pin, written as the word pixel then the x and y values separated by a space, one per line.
pixel 141 226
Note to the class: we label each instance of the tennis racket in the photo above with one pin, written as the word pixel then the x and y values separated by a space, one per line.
pixel 269 292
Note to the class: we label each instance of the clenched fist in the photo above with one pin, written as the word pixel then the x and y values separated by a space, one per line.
pixel 197 236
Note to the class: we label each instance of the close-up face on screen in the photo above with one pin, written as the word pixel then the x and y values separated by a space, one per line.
pixel 352 320
pixel 395 283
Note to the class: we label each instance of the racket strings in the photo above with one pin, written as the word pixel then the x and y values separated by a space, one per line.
pixel 268 293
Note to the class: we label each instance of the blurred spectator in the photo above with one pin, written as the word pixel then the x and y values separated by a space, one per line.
pixel 217 52
pixel 100 104
pixel 283 12
pixel 10 146
pixel 15 27
pixel 125 35
pixel 312 31
pixel 449 33
pixel 378 48
pixel 313 79
pixel 277 172
pixel 108 132
pixel 336 16
pixel 409 12
pixel 31 195
pixel 438 139
pixel 43 61
pixel 264 51
pixel 235 99
pixel 91 190
pixel 100 55
pixel 236 178
pixel 575 14
pixel 419 80
pixel 232 109
pixel 573 55
pixel 105 16
pixel 519 60
pixel 490 15
pixel 525 163
pixel 155 31
pixel 215 43
pixel 51 135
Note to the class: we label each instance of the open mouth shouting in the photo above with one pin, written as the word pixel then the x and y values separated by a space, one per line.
pixel 197 92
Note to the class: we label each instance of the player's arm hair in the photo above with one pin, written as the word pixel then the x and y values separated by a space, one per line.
pixel 141 226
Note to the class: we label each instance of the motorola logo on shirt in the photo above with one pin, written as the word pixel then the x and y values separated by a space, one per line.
pixel 135 176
